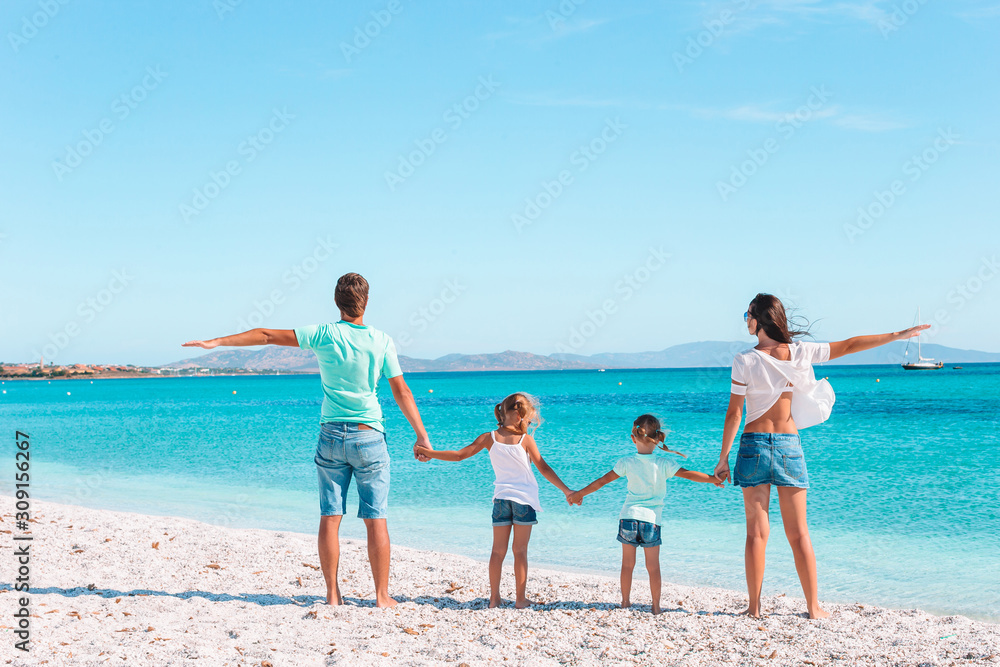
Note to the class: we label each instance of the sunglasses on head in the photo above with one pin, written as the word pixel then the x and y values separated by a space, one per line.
pixel 746 316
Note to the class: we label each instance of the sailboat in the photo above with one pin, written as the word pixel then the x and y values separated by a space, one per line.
pixel 921 364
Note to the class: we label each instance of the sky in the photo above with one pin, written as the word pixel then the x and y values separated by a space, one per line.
pixel 536 176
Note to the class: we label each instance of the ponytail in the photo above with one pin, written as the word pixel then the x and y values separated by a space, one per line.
pixel 526 407
pixel 648 427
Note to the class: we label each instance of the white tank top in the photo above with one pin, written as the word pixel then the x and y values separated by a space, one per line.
pixel 514 479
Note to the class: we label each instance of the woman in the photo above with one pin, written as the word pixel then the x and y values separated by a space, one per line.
pixel 777 381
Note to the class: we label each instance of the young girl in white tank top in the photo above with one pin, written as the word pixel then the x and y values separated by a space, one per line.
pixel 515 492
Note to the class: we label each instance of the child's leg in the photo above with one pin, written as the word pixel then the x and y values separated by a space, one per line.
pixel 628 564
pixel 653 567
pixel 521 536
pixel 501 537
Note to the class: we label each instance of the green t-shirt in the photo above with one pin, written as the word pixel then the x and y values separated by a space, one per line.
pixel 647 476
pixel 351 360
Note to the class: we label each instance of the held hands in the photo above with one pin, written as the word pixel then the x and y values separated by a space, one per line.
pixel 204 344
pixel 421 449
pixel 721 472
pixel 574 498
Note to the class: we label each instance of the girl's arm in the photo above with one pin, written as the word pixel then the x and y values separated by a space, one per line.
pixel 696 476
pixel 734 414
pixel 543 467
pixel 477 446
pixel 577 497
pixel 862 343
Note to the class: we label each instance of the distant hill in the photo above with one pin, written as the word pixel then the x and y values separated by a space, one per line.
pixel 266 358
pixel 688 355
pixel 716 353
pixel 292 359
pixel 503 361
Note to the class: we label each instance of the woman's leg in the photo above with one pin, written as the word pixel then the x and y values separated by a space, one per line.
pixel 521 536
pixel 756 500
pixel 653 567
pixel 501 537
pixel 628 564
pixel 792 501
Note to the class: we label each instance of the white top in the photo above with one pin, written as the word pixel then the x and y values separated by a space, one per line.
pixel 514 479
pixel 766 378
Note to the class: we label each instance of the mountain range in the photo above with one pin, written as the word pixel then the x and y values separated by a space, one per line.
pixel 688 355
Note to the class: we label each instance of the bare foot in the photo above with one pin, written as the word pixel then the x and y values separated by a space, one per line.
pixel 333 598
pixel 495 602
pixel 657 610
pixel 386 603
pixel 818 613
pixel 751 614
pixel 626 604
pixel 523 604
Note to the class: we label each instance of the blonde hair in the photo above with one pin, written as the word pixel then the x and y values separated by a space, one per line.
pixel 526 407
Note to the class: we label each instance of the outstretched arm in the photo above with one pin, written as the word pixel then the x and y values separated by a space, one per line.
pixel 734 414
pixel 861 343
pixel 284 337
pixel 404 399
pixel 696 476
pixel 543 467
pixel 576 498
pixel 478 445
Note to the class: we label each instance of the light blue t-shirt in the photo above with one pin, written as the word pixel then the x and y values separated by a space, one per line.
pixel 647 476
pixel 351 360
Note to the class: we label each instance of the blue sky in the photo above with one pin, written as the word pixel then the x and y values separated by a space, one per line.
pixel 502 174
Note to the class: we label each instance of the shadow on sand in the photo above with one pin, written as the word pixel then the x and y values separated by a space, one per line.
pixel 441 602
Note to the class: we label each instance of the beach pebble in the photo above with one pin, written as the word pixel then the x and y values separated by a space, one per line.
pixel 217 596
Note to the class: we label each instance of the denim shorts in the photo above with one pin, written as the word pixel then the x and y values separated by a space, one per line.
pixel 508 512
pixel 344 450
pixel 770 458
pixel 638 533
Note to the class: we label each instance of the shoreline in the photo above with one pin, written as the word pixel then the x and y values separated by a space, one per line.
pixel 595 369
pixel 122 588
pixel 554 567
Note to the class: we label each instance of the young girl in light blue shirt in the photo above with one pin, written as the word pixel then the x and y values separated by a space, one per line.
pixel 639 522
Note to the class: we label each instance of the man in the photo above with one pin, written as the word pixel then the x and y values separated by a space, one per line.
pixel 352 357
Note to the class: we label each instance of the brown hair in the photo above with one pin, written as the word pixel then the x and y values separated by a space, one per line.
pixel 648 426
pixel 526 406
pixel 351 295
pixel 769 313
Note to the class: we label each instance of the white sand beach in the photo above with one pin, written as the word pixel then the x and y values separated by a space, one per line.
pixel 113 588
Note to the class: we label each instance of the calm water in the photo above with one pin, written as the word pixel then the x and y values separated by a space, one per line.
pixel 904 505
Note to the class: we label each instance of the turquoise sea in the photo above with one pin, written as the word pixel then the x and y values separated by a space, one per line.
pixel 904 505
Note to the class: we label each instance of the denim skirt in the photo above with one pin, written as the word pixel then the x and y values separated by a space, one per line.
pixel 770 458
